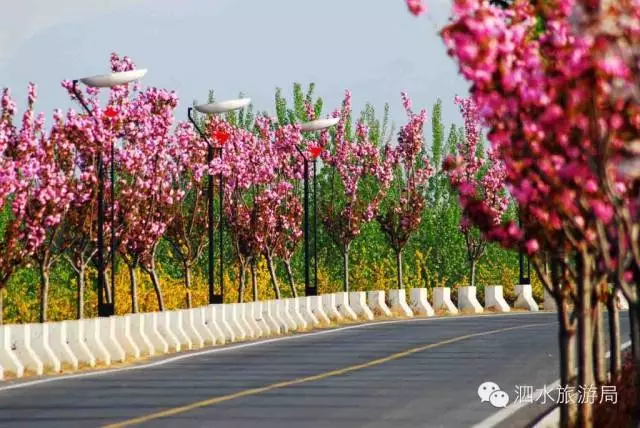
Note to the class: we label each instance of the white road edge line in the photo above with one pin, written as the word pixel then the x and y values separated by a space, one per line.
pixel 503 414
pixel 169 360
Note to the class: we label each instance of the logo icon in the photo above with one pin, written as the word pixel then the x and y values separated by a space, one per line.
pixel 491 392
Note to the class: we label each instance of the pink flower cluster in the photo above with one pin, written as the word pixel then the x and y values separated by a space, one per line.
pixel 354 159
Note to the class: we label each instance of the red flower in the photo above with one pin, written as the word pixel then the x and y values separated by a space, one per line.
pixel 221 136
pixel 416 7
pixel 110 112
pixel 315 151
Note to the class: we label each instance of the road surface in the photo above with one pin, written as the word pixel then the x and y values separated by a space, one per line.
pixel 401 374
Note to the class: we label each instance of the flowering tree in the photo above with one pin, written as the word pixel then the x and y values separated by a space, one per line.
pixel 149 158
pixel 401 215
pixel 557 86
pixel 358 171
pixel 244 172
pixel 187 230
pixel 474 178
pixel 35 193
pixel 149 183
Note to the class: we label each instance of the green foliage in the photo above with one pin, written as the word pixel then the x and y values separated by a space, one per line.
pixel 437 131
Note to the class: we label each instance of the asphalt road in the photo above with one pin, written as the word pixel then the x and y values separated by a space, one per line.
pixel 421 373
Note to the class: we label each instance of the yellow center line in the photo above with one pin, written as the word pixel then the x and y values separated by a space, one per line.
pixel 338 372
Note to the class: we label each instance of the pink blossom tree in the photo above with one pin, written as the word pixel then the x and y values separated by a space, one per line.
pixel 557 86
pixel 35 191
pixel 358 172
pixel 150 155
pixel 476 178
pixel 402 209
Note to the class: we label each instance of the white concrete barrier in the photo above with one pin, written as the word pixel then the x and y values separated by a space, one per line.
pixel 358 302
pixel 259 322
pixel 291 306
pixel 377 303
pixel 124 336
pixel 306 309
pixel 220 313
pixel 60 344
pixel 235 321
pixel 8 358
pixel 622 302
pixel 21 344
pixel 139 336
pixel 300 304
pixel 93 330
pixel 442 300
pixel 252 325
pixel 286 315
pixel 342 304
pixel 276 311
pixel 167 330
pixel 525 298
pixel 41 344
pixel 176 324
pixel 242 321
pixel 494 298
pixel 268 316
pixel 205 325
pixel 467 300
pixel 79 343
pixel 108 337
pixel 549 302
pixel 399 304
pixel 330 307
pixel 419 302
pixel 151 325
pixel 190 329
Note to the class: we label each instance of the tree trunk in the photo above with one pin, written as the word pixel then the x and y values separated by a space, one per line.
pixel 272 273
pixel 156 286
pixel 133 284
pixel 1 305
pixel 599 359
pixel 585 337
pixel 399 268
pixel 567 359
pixel 243 281
pixel 187 285
pixel 107 287
pixel 634 321
pixel 615 360
pixel 254 281
pixel 44 292
pixel 345 264
pixel 80 282
pixel 473 273
pixel 292 282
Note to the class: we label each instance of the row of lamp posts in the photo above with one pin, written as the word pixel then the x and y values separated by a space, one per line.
pixel 105 308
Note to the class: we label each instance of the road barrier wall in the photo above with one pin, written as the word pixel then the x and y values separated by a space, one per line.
pixel 54 347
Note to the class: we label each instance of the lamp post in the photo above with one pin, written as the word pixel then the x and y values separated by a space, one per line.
pixel 314 125
pixel 525 275
pixel 215 108
pixel 105 81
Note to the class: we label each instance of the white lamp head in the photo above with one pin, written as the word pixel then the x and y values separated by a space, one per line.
pixel 223 106
pixel 114 79
pixel 319 124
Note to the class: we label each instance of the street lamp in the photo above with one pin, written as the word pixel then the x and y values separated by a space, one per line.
pixel 105 81
pixel 312 126
pixel 525 276
pixel 215 108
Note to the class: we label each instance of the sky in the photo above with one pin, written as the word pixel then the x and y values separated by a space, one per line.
pixel 375 48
